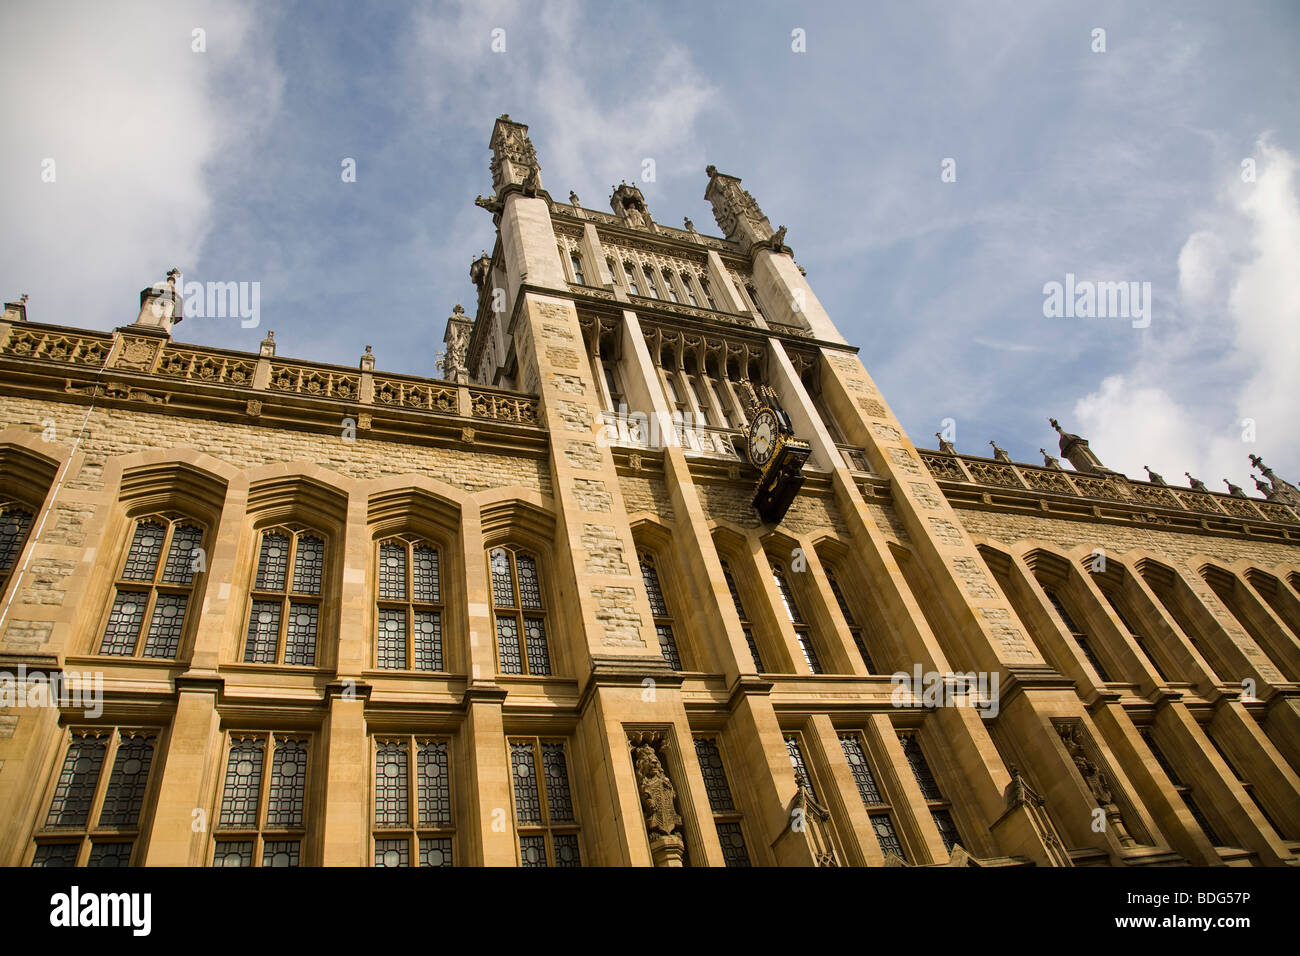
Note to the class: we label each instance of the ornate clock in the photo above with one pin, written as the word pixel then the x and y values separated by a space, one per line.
pixel 776 453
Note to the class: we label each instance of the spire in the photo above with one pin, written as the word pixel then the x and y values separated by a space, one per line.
pixel 514 161
pixel 1077 452
pixel 737 212
pixel 1281 489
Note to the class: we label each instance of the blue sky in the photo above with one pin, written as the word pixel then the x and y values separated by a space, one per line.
pixel 1116 165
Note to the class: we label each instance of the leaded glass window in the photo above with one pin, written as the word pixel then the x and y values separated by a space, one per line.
pixel 726 816
pixel 802 632
pixel 690 291
pixel 1080 638
pixel 545 817
pixel 576 261
pixel 794 748
pixel 938 805
pixel 670 288
pixel 409 612
pixel 285 604
pixel 855 629
pixel 650 289
pixel 1182 788
pixel 15 526
pixel 745 626
pixel 155 588
pixel 94 816
pixel 262 817
pixel 659 609
pixel 630 273
pixel 413 802
pixel 518 613
pixel 873 797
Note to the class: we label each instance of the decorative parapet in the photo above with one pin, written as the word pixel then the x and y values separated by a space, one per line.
pixel 405 393
pixel 504 407
pixel 199 366
pixel 58 346
pixel 967 469
pixel 306 380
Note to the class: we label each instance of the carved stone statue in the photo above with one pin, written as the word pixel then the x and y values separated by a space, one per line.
pixel 456 340
pixel 686 221
pixel 658 800
pixel 573 198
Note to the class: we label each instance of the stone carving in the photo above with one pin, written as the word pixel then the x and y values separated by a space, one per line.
pixel 254 407
pixel 456 340
pixel 629 205
pixel 267 348
pixel 1195 483
pixel 734 207
pixel 1050 461
pixel 514 161
pixel 945 446
pixel 1155 478
pixel 480 270
pixel 1094 777
pixel 1234 490
pixel 138 354
pixel 999 453
pixel 658 800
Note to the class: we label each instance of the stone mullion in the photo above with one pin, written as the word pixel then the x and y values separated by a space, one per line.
pixel 189 781
pixel 220 616
pixel 1215 788
pixel 1257 758
pixel 486 777
pixel 356 621
pixel 910 808
pixel 828 621
pixel 1168 634
pixel 839 794
pixel 1278 643
pixel 1112 634
pixel 1226 633
pixel 344 758
pixel 772 610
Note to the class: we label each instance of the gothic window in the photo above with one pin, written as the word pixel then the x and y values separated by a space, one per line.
pixel 578 276
pixel 690 290
pixel 650 288
pixel 753 299
pixel 659 608
pixel 726 816
pixel 1183 789
pixel 708 296
pixel 15 526
pixel 701 392
pixel 409 607
pixel 802 632
pixel 630 272
pixel 154 588
pixel 1079 636
pixel 518 613
pixel 873 797
pixel 611 382
pixel 94 817
pixel 545 818
pixel 412 802
pixel 855 628
pixel 745 626
pixel 1138 639
pixel 285 605
pixel 670 288
pixel 261 821
pixel 940 808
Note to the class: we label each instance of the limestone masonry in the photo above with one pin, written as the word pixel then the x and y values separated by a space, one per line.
pixel 267 612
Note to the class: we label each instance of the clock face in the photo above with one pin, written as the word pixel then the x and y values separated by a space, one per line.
pixel 763 432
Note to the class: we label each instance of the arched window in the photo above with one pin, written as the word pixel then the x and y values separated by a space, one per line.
pixel 746 627
pixel 284 616
pixel 152 593
pixel 802 632
pixel 631 278
pixel 690 291
pixel 671 289
pixel 753 299
pixel 650 289
pixel 708 296
pixel 576 261
pixel 15 526
pixel 659 609
pixel 855 628
pixel 408 612
pixel 519 613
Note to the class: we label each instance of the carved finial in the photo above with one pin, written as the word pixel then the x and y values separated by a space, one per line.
pixel 1050 461
pixel 999 452
pixel 1056 425
pixel 23 298
pixel 711 170
pixel 945 446
pixel 686 221
pixel 1195 483
pixel 368 360
pixel 267 349
pixel 1264 488
pixel 1154 477
pixel 573 198
pixel 457 309
pixel 1234 490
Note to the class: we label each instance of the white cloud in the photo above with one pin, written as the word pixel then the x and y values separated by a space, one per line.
pixel 1172 409
pixel 132 118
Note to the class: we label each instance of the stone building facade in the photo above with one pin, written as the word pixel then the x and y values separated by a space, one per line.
pixel 525 613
